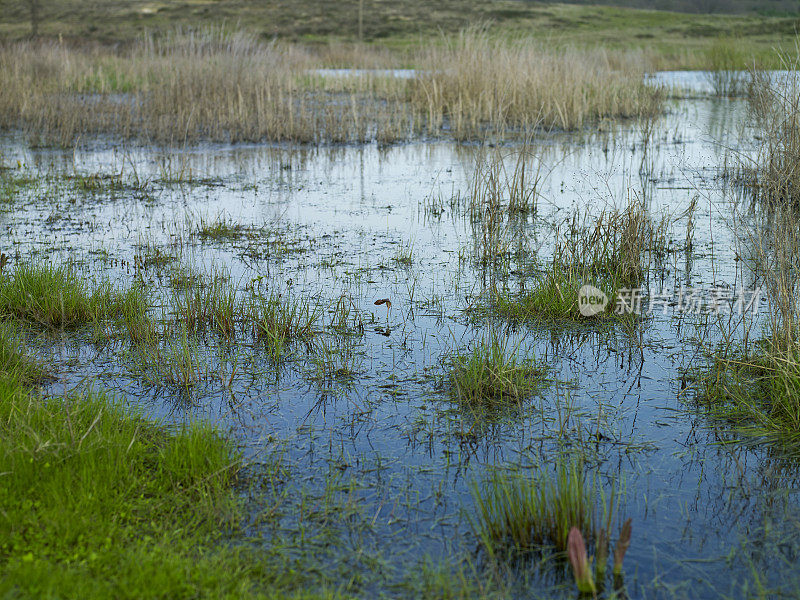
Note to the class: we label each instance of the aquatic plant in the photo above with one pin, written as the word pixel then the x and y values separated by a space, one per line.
pixel 578 559
pixel 773 174
pixel 277 321
pixel 55 296
pixel 491 374
pixel 757 393
pixel 218 228
pixel 473 81
pixel 520 512
pixel 214 84
pixel 612 251
pixel 623 543
pixel 726 73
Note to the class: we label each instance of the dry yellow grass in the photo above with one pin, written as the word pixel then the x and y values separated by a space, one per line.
pixel 220 86
pixel 473 81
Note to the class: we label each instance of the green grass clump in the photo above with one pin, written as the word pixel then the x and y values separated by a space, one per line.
pixel 554 297
pixel 134 316
pixel 209 304
pixel 12 184
pixel 176 361
pixel 518 512
pixel 612 252
pixel 219 228
pixel 99 502
pixel 54 297
pixel 491 374
pixel 279 321
pixel 757 394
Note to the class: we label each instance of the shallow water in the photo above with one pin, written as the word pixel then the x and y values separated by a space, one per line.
pixel 706 515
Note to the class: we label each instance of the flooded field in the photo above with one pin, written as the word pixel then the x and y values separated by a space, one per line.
pixel 381 440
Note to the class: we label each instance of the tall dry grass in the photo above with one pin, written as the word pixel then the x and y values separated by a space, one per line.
pixel 473 82
pixel 772 176
pixel 224 86
pixel 773 173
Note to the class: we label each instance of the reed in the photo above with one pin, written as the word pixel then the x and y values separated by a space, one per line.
pixel 492 374
pixel 518 512
pixel 773 174
pixel 218 85
pixel 725 60
pixel 472 83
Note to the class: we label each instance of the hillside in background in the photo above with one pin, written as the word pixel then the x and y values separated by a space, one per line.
pixel 681 37
pixel 761 7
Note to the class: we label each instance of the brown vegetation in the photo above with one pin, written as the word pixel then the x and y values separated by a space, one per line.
pixel 231 87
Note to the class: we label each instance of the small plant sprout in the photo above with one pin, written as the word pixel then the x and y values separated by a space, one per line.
pixel 581 568
pixel 622 547
pixel 388 304
pixel 601 554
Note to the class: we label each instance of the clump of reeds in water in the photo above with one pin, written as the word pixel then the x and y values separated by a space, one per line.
pixel 474 83
pixel 553 509
pixel 727 75
pixel 491 374
pixel 753 386
pixel 754 392
pixel 611 252
pixel 229 86
pixel 523 512
pixel 773 173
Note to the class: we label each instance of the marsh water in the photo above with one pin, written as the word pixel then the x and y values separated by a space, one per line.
pixel 377 465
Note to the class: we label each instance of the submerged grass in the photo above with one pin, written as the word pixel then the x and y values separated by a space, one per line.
pixel 210 303
pixel 15 364
pixel 726 74
pixel 218 228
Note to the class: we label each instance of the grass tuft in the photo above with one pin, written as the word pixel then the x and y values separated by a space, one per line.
pixel 613 252
pixel 757 394
pixel 517 513
pixel 99 502
pixel 491 374
pixel 54 297
pixel 279 321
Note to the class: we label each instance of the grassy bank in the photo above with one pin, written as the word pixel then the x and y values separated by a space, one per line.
pixel 100 502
